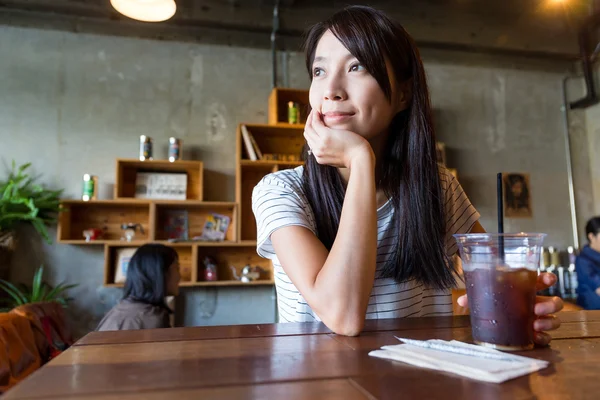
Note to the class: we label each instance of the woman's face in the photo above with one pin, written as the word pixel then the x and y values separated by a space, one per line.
pixel 173 278
pixel 347 95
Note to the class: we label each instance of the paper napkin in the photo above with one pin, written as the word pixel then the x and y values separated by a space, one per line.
pixel 460 358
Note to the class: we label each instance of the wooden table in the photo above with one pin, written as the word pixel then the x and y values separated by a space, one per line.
pixel 302 361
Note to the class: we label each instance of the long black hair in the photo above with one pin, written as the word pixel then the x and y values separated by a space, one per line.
pixel 409 170
pixel 593 227
pixel 147 274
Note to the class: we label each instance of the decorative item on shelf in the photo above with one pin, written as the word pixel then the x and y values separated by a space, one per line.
pixel 160 185
pixel 210 269
pixel 215 227
pixel 282 157
pixel 145 148
pixel 90 187
pixel 248 274
pixel 92 234
pixel 176 225
pixel 122 262
pixel 252 148
pixel 174 149
pixel 293 112
pixel 129 231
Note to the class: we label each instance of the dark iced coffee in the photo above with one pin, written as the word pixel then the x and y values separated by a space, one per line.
pixel 501 300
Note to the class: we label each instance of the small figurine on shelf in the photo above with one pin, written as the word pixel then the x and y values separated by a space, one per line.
pixel 92 234
pixel 210 269
pixel 248 274
pixel 129 231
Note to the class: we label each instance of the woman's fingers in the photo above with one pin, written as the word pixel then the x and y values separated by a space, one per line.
pixel 547 305
pixel 545 280
pixel 546 323
pixel 463 301
pixel 541 338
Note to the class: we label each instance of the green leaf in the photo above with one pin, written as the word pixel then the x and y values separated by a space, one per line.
pixel 56 293
pixel 13 292
pixel 36 289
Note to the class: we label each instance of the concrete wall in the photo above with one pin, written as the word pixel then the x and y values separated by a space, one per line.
pixel 593 129
pixel 72 103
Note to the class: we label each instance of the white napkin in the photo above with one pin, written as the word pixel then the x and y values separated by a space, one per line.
pixel 460 358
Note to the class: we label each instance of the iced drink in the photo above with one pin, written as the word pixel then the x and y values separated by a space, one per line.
pixel 500 273
pixel 501 302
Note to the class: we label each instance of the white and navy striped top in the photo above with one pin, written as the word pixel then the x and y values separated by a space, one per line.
pixel 278 200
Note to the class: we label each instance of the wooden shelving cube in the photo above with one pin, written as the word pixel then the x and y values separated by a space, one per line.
pixel 185 251
pixel 274 139
pixel 278 104
pixel 236 257
pixel 103 214
pixel 197 212
pixel 128 169
pixel 270 139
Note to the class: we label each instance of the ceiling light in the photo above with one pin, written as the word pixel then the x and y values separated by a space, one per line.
pixel 146 10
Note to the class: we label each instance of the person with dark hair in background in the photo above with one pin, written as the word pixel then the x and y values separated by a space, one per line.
pixel 364 229
pixel 587 266
pixel 152 274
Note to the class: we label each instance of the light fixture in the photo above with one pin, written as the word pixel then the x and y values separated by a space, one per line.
pixel 146 10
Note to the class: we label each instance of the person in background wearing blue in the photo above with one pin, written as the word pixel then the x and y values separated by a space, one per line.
pixel 588 268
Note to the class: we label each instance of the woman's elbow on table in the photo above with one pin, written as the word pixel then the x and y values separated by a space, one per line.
pixel 346 324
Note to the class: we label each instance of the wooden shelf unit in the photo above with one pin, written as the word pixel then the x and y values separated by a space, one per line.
pixel 278 105
pixel 238 249
pixel 127 170
pixel 191 257
pixel 285 139
pixel 107 215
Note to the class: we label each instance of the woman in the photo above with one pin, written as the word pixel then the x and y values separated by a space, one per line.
pixel 152 274
pixel 364 230
pixel 587 266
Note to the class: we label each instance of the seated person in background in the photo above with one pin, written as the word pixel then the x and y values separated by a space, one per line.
pixel 588 268
pixel 152 274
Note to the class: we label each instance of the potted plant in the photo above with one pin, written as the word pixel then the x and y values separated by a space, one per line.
pixel 23 201
pixel 39 292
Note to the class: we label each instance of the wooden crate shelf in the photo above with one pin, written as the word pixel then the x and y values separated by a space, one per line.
pixel 106 215
pixel 186 255
pixel 191 257
pixel 197 213
pixel 128 169
pixel 284 139
pixel 273 139
pixel 225 257
pixel 278 104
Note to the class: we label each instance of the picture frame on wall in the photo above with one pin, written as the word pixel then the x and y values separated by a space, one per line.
pixel 123 256
pixel 517 195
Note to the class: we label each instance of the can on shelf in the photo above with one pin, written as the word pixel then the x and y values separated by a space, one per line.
pixel 174 149
pixel 90 187
pixel 293 113
pixel 145 148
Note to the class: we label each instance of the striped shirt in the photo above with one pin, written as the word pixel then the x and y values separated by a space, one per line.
pixel 278 200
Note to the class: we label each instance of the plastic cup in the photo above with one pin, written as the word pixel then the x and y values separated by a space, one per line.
pixel 500 276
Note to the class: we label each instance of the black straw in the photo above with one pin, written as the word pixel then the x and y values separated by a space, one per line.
pixel 500 215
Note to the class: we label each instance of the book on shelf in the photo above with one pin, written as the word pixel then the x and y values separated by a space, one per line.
pixel 250 144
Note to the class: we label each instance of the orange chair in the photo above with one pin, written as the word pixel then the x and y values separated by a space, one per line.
pixel 30 336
